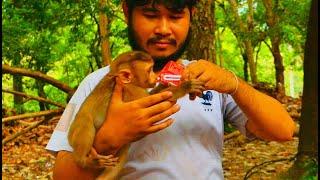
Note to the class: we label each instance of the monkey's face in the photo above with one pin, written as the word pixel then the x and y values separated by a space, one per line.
pixel 143 74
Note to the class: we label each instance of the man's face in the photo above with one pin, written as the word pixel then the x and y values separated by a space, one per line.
pixel 160 31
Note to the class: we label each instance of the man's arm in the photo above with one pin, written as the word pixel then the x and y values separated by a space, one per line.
pixel 66 168
pixel 267 118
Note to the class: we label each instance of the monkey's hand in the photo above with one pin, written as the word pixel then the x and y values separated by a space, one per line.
pixel 96 160
pixel 193 87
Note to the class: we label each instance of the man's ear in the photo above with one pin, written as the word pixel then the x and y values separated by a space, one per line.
pixel 125 10
pixel 125 76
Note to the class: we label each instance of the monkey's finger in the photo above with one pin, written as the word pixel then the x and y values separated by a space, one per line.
pixel 105 157
pixel 165 114
pixel 160 126
pixel 116 159
pixel 105 164
pixel 93 152
pixel 102 161
pixel 154 99
pixel 108 164
pixel 109 160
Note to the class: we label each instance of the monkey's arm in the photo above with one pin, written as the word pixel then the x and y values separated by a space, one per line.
pixel 158 88
pixel 193 87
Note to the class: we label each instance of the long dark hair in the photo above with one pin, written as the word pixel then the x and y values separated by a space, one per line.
pixel 170 4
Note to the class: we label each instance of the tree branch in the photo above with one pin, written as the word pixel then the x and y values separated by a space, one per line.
pixel 33 125
pixel 251 172
pixel 6 69
pixel 231 135
pixel 265 42
pixel 29 97
pixel 32 115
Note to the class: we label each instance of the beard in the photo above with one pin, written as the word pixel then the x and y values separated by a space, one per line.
pixel 159 61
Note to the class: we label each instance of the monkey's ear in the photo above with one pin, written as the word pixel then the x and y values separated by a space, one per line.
pixel 125 76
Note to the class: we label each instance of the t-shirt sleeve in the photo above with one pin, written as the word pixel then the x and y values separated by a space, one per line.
pixel 234 115
pixel 59 138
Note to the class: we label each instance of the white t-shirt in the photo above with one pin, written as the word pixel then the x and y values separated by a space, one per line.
pixel 191 148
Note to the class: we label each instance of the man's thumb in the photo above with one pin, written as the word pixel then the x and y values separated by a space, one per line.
pixel 117 92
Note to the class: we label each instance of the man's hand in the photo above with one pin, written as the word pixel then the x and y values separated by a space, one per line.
pixel 267 118
pixel 130 121
pixel 214 77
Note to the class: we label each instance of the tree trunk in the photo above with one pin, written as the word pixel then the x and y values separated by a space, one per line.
pixel 18 100
pixel 103 27
pixel 203 29
pixel 306 164
pixel 252 67
pixel 278 62
pixel 17 86
pixel 245 66
pixel 243 32
pixel 273 21
pixel 219 48
pixel 41 93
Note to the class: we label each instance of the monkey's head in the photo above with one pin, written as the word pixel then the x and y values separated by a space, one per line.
pixel 134 67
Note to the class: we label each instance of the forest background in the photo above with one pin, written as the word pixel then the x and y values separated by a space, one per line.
pixel 48 47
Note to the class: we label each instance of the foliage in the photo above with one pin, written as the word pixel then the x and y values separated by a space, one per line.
pixel 60 38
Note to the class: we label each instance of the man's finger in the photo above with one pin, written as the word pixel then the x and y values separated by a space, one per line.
pixel 154 99
pixel 163 115
pixel 158 108
pixel 160 126
pixel 117 92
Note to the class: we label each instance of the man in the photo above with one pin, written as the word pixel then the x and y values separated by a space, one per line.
pixel 186 142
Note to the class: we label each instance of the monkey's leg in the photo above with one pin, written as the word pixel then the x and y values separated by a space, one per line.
pixel 81 137
pixel 113 173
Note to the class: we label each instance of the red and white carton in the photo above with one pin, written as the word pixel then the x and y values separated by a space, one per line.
pixel 171 74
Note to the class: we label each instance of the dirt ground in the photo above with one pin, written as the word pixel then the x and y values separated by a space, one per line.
pixel 26 158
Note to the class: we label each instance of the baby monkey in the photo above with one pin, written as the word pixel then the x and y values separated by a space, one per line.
pixel 135 70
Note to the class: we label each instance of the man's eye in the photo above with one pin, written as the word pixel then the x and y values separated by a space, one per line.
pixel 150 15
pixel 175 17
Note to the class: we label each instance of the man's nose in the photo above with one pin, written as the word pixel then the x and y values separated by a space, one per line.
pixel 163 27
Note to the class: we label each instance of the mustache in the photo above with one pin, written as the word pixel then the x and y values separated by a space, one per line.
pixel 156 39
